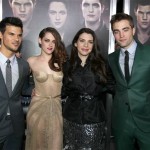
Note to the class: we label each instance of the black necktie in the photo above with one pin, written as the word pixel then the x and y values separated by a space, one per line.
pixel 126 66
pixel 8 80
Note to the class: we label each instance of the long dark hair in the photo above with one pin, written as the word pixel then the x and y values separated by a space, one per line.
pixel 97 61
pixel 59 55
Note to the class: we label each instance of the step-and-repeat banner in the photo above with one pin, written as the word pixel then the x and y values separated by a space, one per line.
pixel 67 16
pixel 140 11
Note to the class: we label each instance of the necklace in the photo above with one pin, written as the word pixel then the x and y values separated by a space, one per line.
pixel 83 63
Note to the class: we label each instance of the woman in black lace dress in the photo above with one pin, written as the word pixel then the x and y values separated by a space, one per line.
pixel 84 90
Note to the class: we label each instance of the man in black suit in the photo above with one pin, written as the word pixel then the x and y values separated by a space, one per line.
pixel 11 112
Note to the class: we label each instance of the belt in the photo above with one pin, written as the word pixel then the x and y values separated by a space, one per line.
pixel 83 97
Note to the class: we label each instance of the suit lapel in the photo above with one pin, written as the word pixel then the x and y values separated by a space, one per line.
pixel 137 60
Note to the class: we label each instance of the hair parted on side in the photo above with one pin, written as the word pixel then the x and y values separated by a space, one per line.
pixel 97 61
pixel 121 16
pixel 10 21
pixel 59 55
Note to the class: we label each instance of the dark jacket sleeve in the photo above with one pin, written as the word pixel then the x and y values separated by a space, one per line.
pixel 65 81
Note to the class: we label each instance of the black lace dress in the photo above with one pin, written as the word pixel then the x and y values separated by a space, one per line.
pixel 83 110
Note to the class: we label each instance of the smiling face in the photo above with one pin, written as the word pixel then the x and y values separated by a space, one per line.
pixel 22 9
pixel 47 43
pixel 92 10
pixel 11 39
pixel 84 45
pixel 123 33
pixel 143 16
pixel 58 14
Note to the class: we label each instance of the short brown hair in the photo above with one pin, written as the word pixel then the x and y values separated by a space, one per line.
pixel 121 16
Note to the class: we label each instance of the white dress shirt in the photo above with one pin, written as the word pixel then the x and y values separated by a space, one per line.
pixel 131 51
pixel 14 68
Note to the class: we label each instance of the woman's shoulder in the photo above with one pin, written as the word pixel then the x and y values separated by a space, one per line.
pixel 32 59
pixel 34 62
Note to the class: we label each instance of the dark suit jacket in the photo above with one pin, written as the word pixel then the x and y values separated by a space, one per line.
pixel 133 96
pixel 17 116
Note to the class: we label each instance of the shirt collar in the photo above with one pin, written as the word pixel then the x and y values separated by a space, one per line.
pixel 130 49
pixel 3 59
pixel 79 60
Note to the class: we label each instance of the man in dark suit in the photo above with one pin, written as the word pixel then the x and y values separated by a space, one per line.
pixel 130 66
pixel 13 81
